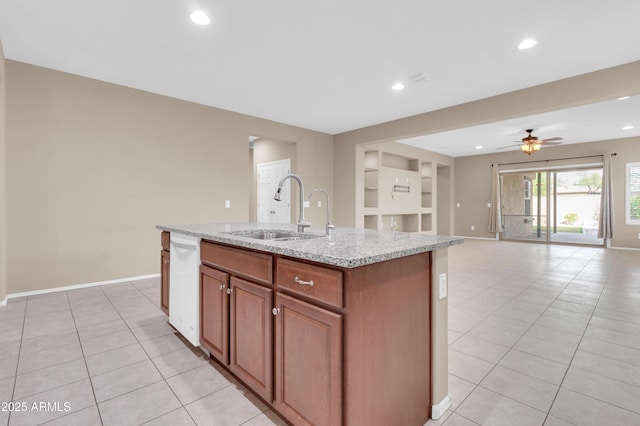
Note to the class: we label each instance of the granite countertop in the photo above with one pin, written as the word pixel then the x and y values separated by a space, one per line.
pixel 345 247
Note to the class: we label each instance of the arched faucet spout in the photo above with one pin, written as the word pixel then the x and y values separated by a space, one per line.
pixel 302 224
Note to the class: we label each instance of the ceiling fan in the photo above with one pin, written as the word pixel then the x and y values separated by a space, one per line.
pixel 530 144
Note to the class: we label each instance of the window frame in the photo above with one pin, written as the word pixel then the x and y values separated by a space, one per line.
pixel 628 193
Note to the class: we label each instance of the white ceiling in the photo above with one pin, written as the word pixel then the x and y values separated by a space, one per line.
pixel 326 65
pixel 588 123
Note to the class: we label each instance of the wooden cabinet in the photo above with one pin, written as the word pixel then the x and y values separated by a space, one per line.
pixel 164 272
pixel 322 345
pixel 237 323
pixel 214 313
pixel 308 363
pixel 251 335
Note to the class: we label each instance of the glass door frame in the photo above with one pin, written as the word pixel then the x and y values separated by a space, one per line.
pixel 535 191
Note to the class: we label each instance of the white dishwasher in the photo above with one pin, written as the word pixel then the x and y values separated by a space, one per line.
pixel 184 286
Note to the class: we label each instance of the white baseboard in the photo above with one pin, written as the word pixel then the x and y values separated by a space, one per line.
pixel 440 408
pixel 76 286
pixel 624 248
pixel 477 238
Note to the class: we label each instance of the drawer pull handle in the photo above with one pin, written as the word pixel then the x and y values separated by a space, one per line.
pixel 299 281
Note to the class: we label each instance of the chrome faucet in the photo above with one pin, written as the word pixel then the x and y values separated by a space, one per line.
pixel 301 222
pixel 328 226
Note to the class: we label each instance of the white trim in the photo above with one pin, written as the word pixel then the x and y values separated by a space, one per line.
pixel 440 408
pixel 624 248
pixel 76 286
pixel 627 196
pixel 478 238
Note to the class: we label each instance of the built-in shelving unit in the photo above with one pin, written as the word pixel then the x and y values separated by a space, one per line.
pixel 399 191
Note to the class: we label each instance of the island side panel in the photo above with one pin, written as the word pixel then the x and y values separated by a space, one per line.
pixel 439 339
pixel 387 366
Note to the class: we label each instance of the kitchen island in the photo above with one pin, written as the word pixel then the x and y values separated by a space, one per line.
pixel 347 329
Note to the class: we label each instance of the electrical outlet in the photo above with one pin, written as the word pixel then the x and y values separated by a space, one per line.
pixel 227 204
pixel 442 286
pixel 457 204
pixel 473 228
pixel 639 235
pixel 489 205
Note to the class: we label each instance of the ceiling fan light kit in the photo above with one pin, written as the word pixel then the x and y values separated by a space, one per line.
pixel 530 147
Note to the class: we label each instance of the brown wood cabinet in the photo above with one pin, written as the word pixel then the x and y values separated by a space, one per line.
pixel 308 363
pixel 164 272
pixel 343 346
pixel 214 313
pixel 251 335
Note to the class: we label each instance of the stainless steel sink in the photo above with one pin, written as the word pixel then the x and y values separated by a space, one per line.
pixel 273 235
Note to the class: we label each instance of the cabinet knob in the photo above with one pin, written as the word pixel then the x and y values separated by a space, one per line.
pixel 221 287
pixel 229 290
pixel 275 311
pixel 166 261
pixel 299 281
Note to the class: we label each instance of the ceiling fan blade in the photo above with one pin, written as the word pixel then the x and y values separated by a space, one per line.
pixel 551 139
pixel 551 143
pixel 508 146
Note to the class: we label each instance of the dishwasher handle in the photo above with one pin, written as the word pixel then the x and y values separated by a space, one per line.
pixel 185 246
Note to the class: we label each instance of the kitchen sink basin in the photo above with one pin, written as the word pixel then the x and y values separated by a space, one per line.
pixel 273 235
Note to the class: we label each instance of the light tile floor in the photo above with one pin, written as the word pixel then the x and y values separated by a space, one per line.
pixel 543 334
pixel 109 354
pixel 539 334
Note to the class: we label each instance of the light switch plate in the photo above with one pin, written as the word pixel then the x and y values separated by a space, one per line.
pixel 442 286
pixel 227 204
pixel 307 204
pixel 457 204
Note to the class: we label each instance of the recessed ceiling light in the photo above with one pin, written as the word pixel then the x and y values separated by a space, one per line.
pixel 627 128
pixel 479 147
pixel 397 86
pixel 623 98
pixel 200 18
pixel 527 44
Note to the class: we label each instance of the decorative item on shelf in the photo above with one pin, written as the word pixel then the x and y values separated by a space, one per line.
pixel 399 188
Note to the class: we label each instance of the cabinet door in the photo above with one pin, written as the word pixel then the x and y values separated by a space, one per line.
pixel 214 313
pixel 251 335
pixel 308 355
pixel 164 281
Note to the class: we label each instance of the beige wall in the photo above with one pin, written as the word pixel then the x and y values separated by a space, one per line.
pixel 92 167
pixel 597 86
pixel 473 182
pixel 3 211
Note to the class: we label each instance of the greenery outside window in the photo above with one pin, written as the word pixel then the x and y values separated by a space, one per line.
pixel 632 210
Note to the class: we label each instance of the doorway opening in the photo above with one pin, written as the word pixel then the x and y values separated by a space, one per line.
pixel 552 206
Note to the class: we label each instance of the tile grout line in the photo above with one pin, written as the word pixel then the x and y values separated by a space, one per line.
pixel 84 358
pixel 151 360
pixel 15 376
pixel 512 347
pixel 579 342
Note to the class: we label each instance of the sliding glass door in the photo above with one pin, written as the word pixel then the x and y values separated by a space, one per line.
pixel 559 206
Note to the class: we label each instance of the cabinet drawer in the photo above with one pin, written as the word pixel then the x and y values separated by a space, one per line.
pixel 244 263
pixel 164 240
pixel 314 282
